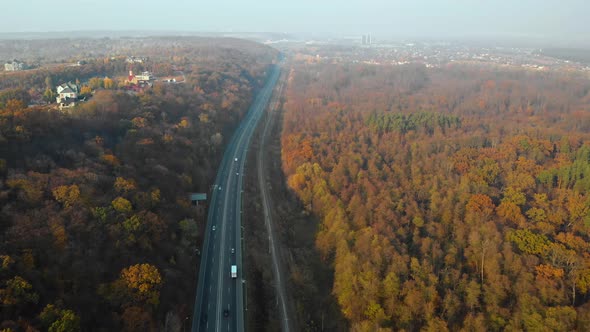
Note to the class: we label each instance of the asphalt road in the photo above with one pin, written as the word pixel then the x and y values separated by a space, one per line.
pixel 217 291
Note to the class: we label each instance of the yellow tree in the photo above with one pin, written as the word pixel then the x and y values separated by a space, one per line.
pixel 122 205
pixel 85 90
pixel 184 123
pixel 18 291
pixel 67 195
pixel 123 185
pixel 111 159
pixel 144 281
pixel 108 83
pixel 55 319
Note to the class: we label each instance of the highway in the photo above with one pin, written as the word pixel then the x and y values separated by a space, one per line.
pixel 219 302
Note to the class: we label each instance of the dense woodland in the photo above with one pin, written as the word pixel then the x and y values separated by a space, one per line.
pixel 450 199
pixel 96 229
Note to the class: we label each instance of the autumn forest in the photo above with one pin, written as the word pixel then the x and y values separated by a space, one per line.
pixel 97 232
pixel 450 199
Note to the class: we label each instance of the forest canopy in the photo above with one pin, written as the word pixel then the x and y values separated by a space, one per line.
pixel 453 198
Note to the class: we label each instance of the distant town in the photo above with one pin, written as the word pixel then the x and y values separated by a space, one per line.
pixel 430 54
pixel 362 48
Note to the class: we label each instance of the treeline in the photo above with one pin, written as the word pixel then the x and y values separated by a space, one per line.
pixel 96 229
pixel 459 204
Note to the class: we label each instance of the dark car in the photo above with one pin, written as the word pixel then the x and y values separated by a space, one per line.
pixel 226 313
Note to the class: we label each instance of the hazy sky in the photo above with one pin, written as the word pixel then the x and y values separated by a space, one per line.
pixel 427 18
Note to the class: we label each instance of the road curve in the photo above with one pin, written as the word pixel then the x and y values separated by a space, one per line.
pixel 219 301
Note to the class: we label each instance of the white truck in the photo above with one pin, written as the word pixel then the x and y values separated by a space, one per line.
pixel 234 271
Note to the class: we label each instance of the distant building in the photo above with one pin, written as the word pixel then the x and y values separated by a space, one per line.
pixel 67 90
pixel 134 59
pixel 67 95
pixel 14 65
pixel 144 78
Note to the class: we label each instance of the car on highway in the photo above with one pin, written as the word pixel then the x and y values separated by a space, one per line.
pixel 233 250
pixel 213 227
pixel 226 313
pixel 235 159
pixel 234 271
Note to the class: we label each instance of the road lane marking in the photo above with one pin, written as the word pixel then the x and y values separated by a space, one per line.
pixel 239 146
pixel 221 256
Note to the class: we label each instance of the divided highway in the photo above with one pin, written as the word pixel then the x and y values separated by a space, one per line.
pixel 220 298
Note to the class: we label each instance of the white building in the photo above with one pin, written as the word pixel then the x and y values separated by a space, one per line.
pixel 145 76
pixel 67 93
pixel 134 59
pixel 14 65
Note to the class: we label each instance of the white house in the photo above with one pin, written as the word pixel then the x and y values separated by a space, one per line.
pixel 67 91
pixel 67 95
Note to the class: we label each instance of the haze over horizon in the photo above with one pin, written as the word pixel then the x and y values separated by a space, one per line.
pixel 546 20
